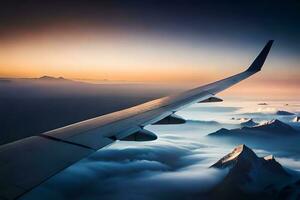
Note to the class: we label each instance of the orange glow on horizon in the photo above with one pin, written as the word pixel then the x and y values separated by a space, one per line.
pixel 118 56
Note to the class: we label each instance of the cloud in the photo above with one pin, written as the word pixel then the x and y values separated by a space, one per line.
pixel 171 185
pixel 145 172
pixel 291 163
pixel 218 109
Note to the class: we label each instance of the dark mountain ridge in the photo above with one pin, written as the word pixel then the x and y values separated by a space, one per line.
pixel 250 176
pixel 269 129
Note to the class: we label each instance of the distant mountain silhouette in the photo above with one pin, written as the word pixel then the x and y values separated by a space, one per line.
pixel 249 123
pixel 270 128
pixel 262 104
pixel 215 123
pixel 250 175
pixel 282 112
pixel 240 118
pixel 51 78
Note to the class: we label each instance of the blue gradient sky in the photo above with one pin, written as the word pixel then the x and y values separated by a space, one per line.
pixel 183 42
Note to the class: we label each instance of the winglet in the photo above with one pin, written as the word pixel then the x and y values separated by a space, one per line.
pixel 260 59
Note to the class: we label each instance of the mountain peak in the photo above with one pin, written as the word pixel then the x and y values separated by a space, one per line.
pixel 274 121
pixel 270 128
pixel 296 119
pixel 51 78
pixel 276 124
pixel 239 153
pixel 283 112
pixel 220 132
pixel 240 149
pixel 248 172
pixel 249 123
pixel 243 159
pixel 269 157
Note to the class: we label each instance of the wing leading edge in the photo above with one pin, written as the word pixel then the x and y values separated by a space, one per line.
pixel 26 163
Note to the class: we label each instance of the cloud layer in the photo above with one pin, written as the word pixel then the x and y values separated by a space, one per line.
pixel 176 166
pixel 146 172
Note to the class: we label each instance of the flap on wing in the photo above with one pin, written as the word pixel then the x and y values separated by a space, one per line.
pixel 211 100
pixel 171 119
pixel 142 135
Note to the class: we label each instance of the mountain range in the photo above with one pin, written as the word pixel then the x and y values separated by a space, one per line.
pixel 51 78
pixel 271 128
pixel 250 176
pixel 282 112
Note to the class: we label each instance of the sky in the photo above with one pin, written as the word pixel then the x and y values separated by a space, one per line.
pixel 177 42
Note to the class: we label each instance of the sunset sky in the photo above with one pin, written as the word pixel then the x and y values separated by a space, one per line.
pixel 149 41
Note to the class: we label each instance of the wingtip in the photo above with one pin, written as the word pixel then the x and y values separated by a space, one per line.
pixel 270 42
pixel 260 59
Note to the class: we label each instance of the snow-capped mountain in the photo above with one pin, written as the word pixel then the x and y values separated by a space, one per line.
pixel 270 128
pixel 275 126
pixel 249 123
pixel 241 152
pixel 296 119
pixel 243 159
pixel 250 174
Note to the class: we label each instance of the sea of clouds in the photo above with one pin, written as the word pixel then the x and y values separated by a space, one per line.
pixel 176 166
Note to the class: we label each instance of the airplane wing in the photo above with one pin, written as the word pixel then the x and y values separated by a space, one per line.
pixel 26 163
